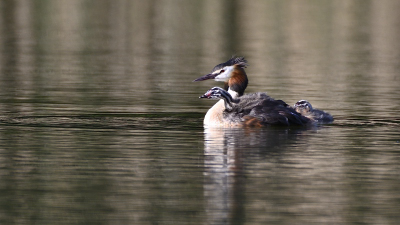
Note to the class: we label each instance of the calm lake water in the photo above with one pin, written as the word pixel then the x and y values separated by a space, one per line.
pixel 100 122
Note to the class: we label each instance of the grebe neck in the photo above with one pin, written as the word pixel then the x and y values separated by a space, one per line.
pixel 237 83
pixel 233 93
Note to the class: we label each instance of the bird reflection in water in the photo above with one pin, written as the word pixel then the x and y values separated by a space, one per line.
pixel 227 151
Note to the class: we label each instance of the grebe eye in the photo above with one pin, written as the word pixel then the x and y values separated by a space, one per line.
pixel 221 71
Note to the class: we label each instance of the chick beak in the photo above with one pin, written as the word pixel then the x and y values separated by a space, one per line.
pixel 206 95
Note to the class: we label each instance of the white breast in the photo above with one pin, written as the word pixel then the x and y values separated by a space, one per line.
pixel 214 116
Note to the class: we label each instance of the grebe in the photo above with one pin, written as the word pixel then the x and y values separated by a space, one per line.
pixel 256 109
pixel 232 73
pixel 305 108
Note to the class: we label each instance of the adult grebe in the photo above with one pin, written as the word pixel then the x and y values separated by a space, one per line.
pixel 305 108
pixel 256 109
pixel 232 73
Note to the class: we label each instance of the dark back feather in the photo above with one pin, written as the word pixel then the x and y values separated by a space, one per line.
pixel 263 109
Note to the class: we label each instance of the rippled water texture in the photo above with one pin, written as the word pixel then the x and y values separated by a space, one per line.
pixel 100 122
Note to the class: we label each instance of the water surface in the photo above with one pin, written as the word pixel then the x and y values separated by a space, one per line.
pixel 101 123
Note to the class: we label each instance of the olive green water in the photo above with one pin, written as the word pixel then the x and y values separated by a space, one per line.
pixel 100 122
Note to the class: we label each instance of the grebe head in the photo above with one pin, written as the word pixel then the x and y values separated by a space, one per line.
pixel 216 93
pixel 232 73
pixel 219 93
pixel 303 106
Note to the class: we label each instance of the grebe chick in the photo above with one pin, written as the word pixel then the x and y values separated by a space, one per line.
pixel 256 109
pixel 305 108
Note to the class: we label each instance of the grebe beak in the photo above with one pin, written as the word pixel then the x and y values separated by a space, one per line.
pixel 207 77
pixel 206 95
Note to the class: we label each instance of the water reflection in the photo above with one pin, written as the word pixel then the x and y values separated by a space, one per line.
pixel 284 175
pixel 228 155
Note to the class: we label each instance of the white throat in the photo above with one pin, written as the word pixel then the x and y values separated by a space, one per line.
pixel 233 93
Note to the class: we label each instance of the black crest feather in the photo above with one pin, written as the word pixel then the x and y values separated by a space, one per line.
pixel 235 60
